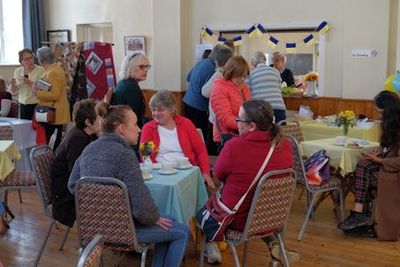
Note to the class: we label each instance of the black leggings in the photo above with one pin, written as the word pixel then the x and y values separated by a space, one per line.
pixel 27 111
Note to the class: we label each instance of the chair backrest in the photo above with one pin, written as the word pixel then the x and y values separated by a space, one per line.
pixel 14 110
pixel 91 255
pixel 293 129
pixel 298 165
pixel 102 207
pixel 271 204
pixel 42 159
pixel 6 130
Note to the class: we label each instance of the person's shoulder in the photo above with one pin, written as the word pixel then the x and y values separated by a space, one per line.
pixel 5 95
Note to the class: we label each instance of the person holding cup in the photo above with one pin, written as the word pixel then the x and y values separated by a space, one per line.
pixel 175 136
pixel 22 82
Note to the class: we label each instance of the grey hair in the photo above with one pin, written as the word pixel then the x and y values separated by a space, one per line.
pixel 163 98
pixel 278 56
pixel 45 55
pixel 222 54
pixel 127 65
pixel 258 58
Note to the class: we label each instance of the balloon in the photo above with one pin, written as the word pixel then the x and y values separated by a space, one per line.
pixel 389 83
pixel 396 83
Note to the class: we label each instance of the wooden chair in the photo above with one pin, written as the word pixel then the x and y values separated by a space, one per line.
pixel 41 159
pixel 103 207
pixel 313 191
pixel 268 214
pixel 91 255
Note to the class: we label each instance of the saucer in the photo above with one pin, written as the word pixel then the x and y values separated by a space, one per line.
pixel 339 144
pixel 156 166
pixel 184 167
pixel 161 171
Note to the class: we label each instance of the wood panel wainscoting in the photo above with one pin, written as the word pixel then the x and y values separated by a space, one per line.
pixel 323 106
pixel 178 95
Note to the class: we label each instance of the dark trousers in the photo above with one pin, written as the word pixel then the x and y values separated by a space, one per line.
pixel 27 111
pixel 50 128
pixel 280 115
pixel 198 117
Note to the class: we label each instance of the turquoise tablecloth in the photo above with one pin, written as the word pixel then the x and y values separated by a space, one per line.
pixel 179 195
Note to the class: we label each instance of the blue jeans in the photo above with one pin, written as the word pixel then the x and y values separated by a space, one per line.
pixel 170 245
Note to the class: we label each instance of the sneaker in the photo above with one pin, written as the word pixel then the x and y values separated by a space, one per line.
pixel 355 219
pixel 276 255
pixel 362 231
pixel 212 253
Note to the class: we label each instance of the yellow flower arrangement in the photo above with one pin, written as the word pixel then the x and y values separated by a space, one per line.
pixel 346 118
pixel 147 148
pixel 311 76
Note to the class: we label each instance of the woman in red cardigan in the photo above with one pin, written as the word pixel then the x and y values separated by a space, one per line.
pixel 174 136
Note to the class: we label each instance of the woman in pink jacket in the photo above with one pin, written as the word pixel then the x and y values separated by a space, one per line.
pixel 174 136
pixel 227 95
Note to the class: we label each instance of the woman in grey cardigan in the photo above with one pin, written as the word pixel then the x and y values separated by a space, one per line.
pixel 111 156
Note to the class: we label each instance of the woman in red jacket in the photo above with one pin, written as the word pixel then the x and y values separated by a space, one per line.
pixel 174 136
pixel 227 95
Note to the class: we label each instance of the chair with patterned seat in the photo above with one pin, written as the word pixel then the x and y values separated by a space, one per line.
pixel 41 159
pixel 268 214
pixel 313 191
pixel 103 207
pixel 91 255
pixel 14 109
pixel 293 129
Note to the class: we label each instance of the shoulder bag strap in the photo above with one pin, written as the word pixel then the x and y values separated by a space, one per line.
pixel 257 177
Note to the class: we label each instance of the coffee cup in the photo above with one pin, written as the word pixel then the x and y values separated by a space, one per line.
pixel 167 166
pixel 182 162
pixel 341 140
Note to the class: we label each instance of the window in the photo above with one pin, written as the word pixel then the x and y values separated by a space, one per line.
pixel 11 33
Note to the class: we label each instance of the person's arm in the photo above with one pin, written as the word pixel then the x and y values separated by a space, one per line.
pixel 189 75
pixel 5 107
pixel 289 78
pixel 222 165
pixel 55 78
pixel 144 210
pixel 75 150
pixel 206 89
pixel 391 164
pixel 74 176
pixel 135 101
pixel 221 104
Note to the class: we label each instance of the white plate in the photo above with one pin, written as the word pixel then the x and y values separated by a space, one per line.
pixel 161 171
pixel 156 166
pixel 184 167
pixel 339 144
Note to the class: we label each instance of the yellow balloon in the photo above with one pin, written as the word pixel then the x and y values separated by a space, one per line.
pixel 389 83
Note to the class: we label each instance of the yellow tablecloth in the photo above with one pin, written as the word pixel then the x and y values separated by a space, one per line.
pixel 340 156
pixel 8 152
pixel 316 130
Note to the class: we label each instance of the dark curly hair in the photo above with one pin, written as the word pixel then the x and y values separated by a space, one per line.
pixel 389 105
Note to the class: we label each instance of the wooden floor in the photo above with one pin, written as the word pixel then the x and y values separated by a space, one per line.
pixel 322 245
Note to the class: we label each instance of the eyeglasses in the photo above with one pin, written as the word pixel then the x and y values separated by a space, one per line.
pixel 237 120
pixel 159 110
pixel 143 67
pixel 27 58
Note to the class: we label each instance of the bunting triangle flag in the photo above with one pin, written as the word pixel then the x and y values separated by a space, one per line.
pixel 323 27
pixel 237 40
pixel 290 47
pixel 272 42
pixel 251 31
pixel 260 30
pixel 309 40
pixel 221 40
pixel 208 31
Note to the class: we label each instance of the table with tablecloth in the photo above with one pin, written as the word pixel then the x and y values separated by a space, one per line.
pixel 8 152
pixel 24 137
pixel 179 195
pixel 313 130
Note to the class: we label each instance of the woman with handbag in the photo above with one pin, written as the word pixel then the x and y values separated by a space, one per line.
pixel 51 92
pixel 265 147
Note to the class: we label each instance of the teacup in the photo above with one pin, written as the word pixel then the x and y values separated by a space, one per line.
pixel 167 166
pixel 341 140
pixel 182 162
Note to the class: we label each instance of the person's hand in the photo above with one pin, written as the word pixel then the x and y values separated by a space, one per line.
pixel 13 85
pixel 209 181
pixel 373 155
pixel 108 96
pixel 164 223
pixel 34 88
pixel 28 82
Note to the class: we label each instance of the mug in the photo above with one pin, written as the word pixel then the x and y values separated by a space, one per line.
pixel 167 166
pixel 183 162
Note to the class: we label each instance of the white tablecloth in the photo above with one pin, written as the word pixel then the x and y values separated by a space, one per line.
pixel 24 138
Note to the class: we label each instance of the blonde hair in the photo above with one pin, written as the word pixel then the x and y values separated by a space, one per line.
pixel 235 67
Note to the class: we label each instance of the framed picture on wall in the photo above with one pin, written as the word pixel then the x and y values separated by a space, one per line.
pixel 56 36
pixel 134 44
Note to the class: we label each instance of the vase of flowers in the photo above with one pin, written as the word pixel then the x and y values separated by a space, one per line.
pixel 347 119
pixel 311 79
pixel 145 150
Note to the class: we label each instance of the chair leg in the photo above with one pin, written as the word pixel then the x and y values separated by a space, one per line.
pixel 341 203
pixel 234 254
pixel 203 247
pixel 144 255
pixel 244 254
pixel 310 209
pixel 44 243
pixel 283 251
pixel 19 195
pixel 64 240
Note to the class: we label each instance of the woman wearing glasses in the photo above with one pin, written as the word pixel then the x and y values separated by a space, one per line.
pixel 227 95
pixel 134 69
